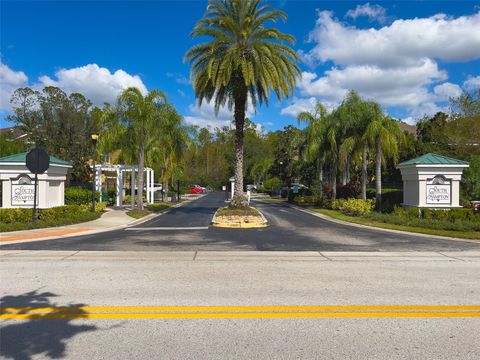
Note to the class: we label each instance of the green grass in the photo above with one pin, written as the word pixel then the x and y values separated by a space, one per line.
pixel 273 200
pixel 149 209
pixel 138 214
pixel 159 207
pixel 365 221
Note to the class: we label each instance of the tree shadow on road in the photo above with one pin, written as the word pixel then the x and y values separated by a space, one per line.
pixel 39 333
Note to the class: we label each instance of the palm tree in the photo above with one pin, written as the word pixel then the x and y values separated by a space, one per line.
pixel 242 61
pixel 384 135
pixel 315 137
pixel 141 115
pixel 168 144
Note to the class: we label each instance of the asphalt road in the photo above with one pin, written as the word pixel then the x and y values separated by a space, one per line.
pixel 44 279
pixel 187 228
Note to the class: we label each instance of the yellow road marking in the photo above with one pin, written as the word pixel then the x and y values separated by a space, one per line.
pixel 241 308
pixel 243 315
pixel 205 312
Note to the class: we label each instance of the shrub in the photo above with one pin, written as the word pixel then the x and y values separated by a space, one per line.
pixel 18 219
pixel 356 207
pixel 337 204
pixel 272 183
pixel 8 216
pixel 446 215
pixel 391 198
pixel 348 191
pixel 79 196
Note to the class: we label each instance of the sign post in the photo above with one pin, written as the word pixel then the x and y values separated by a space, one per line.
pixel 37 161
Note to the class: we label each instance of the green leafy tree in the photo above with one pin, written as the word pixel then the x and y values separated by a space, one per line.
pixel 141 115
pixel 59 123
pixel 242 60
pixel 9 146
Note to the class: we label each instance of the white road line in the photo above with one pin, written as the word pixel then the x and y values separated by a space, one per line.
pixel 167 228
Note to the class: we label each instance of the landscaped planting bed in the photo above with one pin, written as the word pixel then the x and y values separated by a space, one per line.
pixel 21 219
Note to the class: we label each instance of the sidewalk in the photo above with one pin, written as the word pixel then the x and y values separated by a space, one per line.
pixel 110 220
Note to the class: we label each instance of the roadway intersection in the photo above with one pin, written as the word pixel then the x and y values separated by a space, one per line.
pixel 187 228
pixel 175 288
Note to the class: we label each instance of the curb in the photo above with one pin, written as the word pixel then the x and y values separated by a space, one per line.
pixel 341 222
pixel 240 225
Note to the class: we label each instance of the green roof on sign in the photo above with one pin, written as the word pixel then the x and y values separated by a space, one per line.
pixel 433 159
pixel 21 158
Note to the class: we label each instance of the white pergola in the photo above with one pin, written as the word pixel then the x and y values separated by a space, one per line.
pixel 121 173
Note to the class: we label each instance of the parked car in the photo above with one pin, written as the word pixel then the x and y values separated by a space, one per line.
pixel 196 189
pixel 252 188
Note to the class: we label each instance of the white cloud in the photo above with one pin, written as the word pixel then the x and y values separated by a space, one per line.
pixel 204 116
pixel 179 78
pixel 373 12
pixel 299 105
pixel 96 83
pixel 472 83
pixel 390 87
pixel 446 90
pixel 395 65
pixel 10 80
pixel 399 44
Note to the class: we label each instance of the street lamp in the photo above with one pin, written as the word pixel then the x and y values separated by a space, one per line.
pixel 94 138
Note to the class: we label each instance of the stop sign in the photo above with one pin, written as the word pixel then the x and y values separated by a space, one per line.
pixel 37 161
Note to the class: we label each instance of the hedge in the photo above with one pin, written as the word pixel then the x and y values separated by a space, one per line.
pixel 20 218
pixel 76 195
pixel 454 220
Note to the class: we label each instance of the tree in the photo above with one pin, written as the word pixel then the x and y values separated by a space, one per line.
pixel 315 137
pixel 10 146
pixel 242 60
pixel 384 135
pixel 59 123
pixel 141 116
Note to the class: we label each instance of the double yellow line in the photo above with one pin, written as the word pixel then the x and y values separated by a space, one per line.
pixel 239 312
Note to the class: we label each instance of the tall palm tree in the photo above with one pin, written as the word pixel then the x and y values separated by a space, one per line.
pixel 242 60
pixel 315 136
pixel 168 144
pixel 384 135
pixel 141 115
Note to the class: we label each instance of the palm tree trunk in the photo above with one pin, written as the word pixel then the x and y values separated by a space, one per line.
pixel 141 166
pixel 364 172
pixel 347 170
pixel 378 174
pixel 239 199
pixel 334 177
pixel 344 172
pixel 320 177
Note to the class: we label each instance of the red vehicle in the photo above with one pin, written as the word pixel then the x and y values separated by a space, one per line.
pixel 196 189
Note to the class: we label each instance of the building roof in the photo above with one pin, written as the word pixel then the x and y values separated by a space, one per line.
pixel 412 129
pixel 14 133
pixel 20 158
pixel 433 159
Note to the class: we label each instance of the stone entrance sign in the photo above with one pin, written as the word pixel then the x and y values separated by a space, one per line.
pixel 432 181
pixel 439 190
pixel 23 192
pixel 18 186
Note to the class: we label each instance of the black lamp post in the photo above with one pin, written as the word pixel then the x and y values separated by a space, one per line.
pixel 94 138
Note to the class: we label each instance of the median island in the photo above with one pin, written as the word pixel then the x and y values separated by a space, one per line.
pixel 244 217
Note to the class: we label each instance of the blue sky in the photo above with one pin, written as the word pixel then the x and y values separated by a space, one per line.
pixel 410 56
